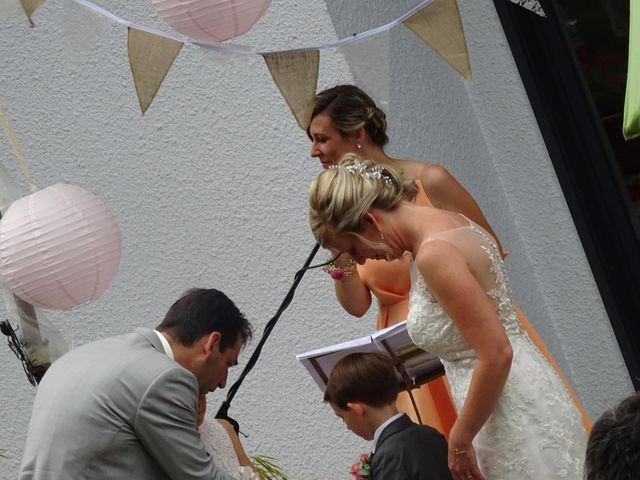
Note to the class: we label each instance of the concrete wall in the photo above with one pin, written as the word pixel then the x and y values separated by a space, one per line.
pixel 210 190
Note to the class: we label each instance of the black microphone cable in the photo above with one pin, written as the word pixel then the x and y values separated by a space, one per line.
pixel 223 412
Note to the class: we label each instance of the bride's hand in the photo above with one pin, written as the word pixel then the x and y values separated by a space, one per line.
pixel 462 459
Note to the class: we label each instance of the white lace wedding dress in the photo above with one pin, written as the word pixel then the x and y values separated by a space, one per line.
pixel 535 431
pixel 217 442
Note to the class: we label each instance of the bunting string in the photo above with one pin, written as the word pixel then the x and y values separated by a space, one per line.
pixel 294 70
pixel 234 49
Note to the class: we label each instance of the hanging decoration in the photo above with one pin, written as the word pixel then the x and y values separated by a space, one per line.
pixel 211 20
pixel 631 118
pixel 150 58
pixel 440 27
pixel 30 6
pixel 34 340
pixel 531 5
pixel 297 97
pixel 59 247
pixel 152 52
pixel 296 76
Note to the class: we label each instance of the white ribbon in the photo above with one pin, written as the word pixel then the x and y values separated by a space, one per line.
pixel 231 49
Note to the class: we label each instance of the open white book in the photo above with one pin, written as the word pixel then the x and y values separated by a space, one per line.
pixel 420 366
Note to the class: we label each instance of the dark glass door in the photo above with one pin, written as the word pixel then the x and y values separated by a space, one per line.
pixel 598 32
pixel 573 67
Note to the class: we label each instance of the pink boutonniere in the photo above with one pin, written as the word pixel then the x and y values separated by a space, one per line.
pixel 360 469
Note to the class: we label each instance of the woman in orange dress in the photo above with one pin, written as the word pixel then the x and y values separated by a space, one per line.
pixel 346 120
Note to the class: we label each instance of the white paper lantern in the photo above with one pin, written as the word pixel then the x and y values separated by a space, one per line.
pixel 59 247
pixel 211 20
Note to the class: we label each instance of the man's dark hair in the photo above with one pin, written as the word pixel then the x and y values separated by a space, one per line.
pixel 200 312
pixel 369 378
pixel 613 450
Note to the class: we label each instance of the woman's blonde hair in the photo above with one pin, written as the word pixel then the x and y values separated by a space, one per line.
pixel 340 196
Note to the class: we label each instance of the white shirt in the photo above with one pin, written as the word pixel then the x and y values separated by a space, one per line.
pixel 379 430
pixel 165 344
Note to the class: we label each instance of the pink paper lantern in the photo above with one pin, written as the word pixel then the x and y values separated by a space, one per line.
pixel 59 247
pixel 211 20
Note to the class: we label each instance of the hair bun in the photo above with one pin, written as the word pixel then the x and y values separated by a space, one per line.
pixel 371 112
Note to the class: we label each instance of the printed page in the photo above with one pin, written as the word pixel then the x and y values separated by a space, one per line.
pixel 396 341
pixel 320 362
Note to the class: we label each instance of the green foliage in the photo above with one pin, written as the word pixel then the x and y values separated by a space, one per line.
pixel 267 469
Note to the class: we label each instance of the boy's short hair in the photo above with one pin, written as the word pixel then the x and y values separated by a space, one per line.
pixel 369 378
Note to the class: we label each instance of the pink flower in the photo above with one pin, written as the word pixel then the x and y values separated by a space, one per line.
pixel 360 469
pixel 337 274
pixel 355 468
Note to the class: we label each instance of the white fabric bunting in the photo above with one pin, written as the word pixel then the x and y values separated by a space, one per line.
pixel 233 49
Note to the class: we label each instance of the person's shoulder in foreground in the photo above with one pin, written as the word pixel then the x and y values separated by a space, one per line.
pixel 613 449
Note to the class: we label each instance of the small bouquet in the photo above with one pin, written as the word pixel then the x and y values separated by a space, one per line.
pixel 360 469
pixel 267 469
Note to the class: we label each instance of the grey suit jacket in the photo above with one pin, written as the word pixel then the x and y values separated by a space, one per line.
pixel 408 451
pixel 118 408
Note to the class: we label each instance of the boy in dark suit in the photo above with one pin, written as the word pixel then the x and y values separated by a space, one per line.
pixel 362 390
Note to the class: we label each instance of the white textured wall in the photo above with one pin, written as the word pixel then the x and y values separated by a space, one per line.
pixel 210 190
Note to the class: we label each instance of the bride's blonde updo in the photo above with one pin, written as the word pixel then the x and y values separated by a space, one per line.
pixel 340 196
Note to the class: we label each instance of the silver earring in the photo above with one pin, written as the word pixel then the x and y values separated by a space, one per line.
pixel 381 235
pixel 358 146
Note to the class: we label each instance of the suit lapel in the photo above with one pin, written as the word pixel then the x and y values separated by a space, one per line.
pixel 394 427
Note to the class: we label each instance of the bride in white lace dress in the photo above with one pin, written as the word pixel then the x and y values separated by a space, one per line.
pixel 516 419
pixel 222 443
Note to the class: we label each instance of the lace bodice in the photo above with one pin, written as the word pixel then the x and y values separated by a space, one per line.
pixel 440 335
pixel 535 431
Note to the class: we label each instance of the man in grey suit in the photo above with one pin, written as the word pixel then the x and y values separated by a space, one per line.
pixel 125 407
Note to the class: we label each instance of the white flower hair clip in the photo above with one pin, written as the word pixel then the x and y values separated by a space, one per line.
pixel 376 172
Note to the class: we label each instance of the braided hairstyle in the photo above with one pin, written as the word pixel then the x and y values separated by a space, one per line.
pixel 350 109
pixel 340 196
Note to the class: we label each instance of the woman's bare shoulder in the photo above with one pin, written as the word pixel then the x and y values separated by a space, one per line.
pixel 411 169
pixel 430 174
pixel 435 176
pixel 436 256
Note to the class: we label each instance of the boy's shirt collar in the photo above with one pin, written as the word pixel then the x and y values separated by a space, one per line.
pixel 379 430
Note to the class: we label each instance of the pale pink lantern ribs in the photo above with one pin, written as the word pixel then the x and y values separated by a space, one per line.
pixel 59 247
pixel 211 20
